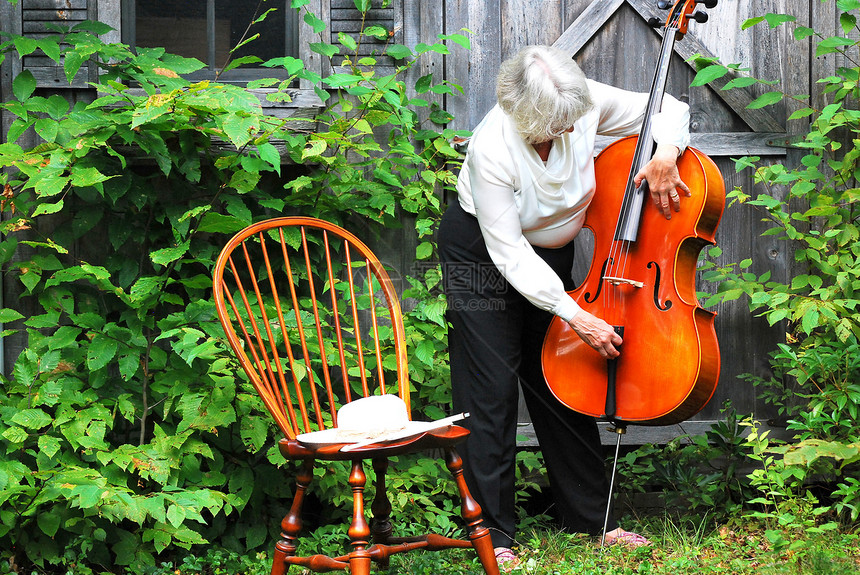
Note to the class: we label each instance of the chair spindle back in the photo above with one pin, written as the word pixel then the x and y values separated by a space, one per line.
pixel 313 317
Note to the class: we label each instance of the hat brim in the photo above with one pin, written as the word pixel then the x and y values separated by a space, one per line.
pixel 325 437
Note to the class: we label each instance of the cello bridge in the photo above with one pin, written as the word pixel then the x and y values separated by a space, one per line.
pixel 616 281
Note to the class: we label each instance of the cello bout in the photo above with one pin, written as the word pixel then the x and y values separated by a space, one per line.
pixel 670 362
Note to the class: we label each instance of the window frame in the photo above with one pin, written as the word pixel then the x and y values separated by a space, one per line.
pixel 241 75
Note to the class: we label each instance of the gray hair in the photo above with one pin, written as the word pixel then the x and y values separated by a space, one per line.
pixel 543 91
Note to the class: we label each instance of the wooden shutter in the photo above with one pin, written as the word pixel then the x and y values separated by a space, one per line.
pixel 36 15
pixel 346 18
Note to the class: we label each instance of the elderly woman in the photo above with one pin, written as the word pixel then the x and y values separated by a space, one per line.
pixel 507 252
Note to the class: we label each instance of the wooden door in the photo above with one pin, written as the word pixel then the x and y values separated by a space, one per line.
pixel 613 43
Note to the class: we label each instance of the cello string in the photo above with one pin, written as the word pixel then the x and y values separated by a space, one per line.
pixel 620 248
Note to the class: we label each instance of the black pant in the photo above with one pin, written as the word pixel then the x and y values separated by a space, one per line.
pixel 495 339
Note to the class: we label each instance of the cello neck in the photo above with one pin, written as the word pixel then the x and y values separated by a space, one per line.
pixel 634 198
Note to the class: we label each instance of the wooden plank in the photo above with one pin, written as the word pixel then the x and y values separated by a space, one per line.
pixel 457 66
pixel 485 22
pixel 734 144
pixel 54 15
pixel 110 13
pixel 313 62
pixel 340 4
pixel 529 24
pixel 640 435
pixel 55 77
pixel 369 16
pixel 54 4
pixel 586 25
pixel 40 29
pixel 355 26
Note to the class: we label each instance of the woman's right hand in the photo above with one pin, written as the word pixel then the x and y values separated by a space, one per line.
pixel 596 333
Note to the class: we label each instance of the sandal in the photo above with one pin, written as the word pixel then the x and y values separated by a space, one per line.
pixel 626 538
pixel 506 559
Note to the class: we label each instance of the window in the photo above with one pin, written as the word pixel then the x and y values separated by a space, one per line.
pixel 209 29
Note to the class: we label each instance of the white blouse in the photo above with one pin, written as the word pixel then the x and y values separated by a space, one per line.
pixel 520 201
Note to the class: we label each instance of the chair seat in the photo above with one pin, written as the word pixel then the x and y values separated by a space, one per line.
pixel 436 439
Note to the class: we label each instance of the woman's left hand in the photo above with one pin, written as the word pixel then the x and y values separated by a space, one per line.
pixel 663 179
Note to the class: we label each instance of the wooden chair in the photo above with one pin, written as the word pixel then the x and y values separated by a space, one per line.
pixel 315 322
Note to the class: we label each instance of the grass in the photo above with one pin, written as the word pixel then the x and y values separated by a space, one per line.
pixel 680 547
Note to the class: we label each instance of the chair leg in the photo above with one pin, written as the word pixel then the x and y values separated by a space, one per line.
pixel 292 523
pixel 381 508
pixel 359 531
pixel 380 524
pixel 471 512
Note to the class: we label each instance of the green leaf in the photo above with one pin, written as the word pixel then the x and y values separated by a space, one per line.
pixel 128 365
pixel 25 46
pixel 341 80
pixel 220 223
pixel 235 63
pixel 270 155
pixel 47 208
pixel 314 22
pixel 101 351
pixel 24 85
pixel 166 255
pixel 72 63
pixel 327 50
pixel 255 536
pixel 32 419
pixel 240 128
pixel 848 22
pixel 176 515
pixel 97 28
pixel 83 177
pixel 774 20
pixel 348 41
pixel 832 44
pixel 398 51
pixel 802 33
pixel 7 315
pixel 15 435
pixel 51 48
pixel 709 74
pixel 290 64
pixel 752 22
pixel 740 82
pixel 377 32
pixel 315 148
pixel 457 38
pixel 766 99
pixel 243 181
pixel 48 445
pixel 423 84
pixel 49 522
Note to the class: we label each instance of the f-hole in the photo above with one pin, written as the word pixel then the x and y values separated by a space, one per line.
pixel 588 298
pixel 657 304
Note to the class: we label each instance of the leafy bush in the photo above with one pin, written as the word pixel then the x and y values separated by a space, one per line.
pixel 813 207
pixel 127 429
pixel 699 474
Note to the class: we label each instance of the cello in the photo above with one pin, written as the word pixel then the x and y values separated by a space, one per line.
pixel 642 281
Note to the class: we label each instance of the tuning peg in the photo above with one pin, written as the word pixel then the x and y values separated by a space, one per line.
pixel 707 3
pixel 655 22
pixel 700 17
pixel 665 4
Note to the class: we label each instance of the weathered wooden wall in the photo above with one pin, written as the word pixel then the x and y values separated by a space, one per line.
pixel 612 43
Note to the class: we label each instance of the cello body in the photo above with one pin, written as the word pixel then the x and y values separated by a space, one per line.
pixel 670 359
